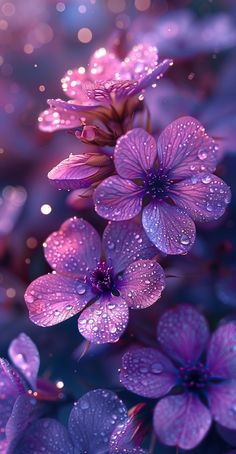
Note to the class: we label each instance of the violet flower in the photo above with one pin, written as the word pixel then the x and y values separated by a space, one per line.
pixel 171 183
pixel 125 277
pixel 96 426
pixel 193 392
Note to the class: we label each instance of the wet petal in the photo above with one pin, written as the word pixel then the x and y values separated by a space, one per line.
pixel 169 228
pixel 222 402
pixel 183 333
pixel 72 173
pixel 181 421
pixel 22 414
pixel 25 356
pixel 184 148
pixel 154 75
pixel 103 65
pixel 73 82
pixel 141 284
pixel 93 420
pixel 147 372
pixel 122 439
pixel 221 357
pixel 74 248
pixel 135 153
pixel 117 199
pixel 55 118
pixel 124 243
pixel 105 320
pixel 204 196
pixel 52 298
pixel 139 62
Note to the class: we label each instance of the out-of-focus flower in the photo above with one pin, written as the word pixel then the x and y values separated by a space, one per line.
pixel 125 278
pixel 96 424
pixel 173 179
pixel 203 391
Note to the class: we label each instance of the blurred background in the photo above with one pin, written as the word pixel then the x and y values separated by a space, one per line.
pixel 39 41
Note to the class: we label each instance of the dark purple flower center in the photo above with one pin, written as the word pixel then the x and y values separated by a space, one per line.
pixel 194 378
pixel 102 279
pixel 156 185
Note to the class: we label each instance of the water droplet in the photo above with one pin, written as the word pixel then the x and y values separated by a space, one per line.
pixel 81 289
pixel 206 179
pixel 156 368
pixel 185 240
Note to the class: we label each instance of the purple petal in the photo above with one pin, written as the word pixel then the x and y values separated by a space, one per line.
pixel 105 320
pixel 141 284
pixel 117 199
pixel 222 402
pixel 169 228
pixel 122 439
pixel 74 248
pixel 140 60
pixel 45 435
pixel 204 196
pixel 73 173
pixel 124 243
pixel 184 148
pixel 11 384
pixel 25 356
pixel 152 77
pixel 183 333
pixel 52 298
pixel 147 372
pixel 181 421
pixel 72 84
pixel 21 416
pixel 103 65
pixel 55 118
pixel 221 357
pixel 135 153
pixel 93 420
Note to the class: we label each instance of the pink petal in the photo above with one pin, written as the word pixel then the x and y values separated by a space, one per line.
pixel 204 196
pixel 124 243
pixel 221 357
pixel 169 228
pixel 74 249
pixel 72 84
pixel 181 421
pixel 55 118
pixel 117 199
pixel 25 356
pixel 140 60
pixel 184 148
pixel 53 298
pixel 135 153
pixel 222 402
pixel 183 333
pixel 103 65
pixel 141 284
pixel 105 320
pixel 147 372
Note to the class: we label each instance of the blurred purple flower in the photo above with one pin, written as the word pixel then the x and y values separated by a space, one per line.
pixel 96 424
pixel 203 391
pixel 173 180
pixel 125 278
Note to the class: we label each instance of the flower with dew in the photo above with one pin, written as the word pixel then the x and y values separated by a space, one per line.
pixel 97 425
pixel 120 275
pixel 193 391
pixel 170 182
pixel 105 96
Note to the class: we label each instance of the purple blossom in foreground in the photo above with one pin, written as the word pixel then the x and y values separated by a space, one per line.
pixel 171 182
pixel 97 424
pixel 123 277
pixel 193 392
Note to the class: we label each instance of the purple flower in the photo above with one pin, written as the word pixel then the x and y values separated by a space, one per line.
pixel 123 278
pixel 171 182
pixel 204 391
pixel 97 424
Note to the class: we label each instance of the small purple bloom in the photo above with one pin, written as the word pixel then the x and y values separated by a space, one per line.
pixel 95 426
pixel 171 182
pixel 124 278
pixel 204 391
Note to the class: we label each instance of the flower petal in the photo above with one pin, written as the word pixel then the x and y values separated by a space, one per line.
pixel 204 196
pixel 183 333
pixel 184 148
pixel 22 414
pixel 117 199
pixel 52 298
pixel 147 372
pixel 74 249
pixel 73 82
pixel 73 173
pixel 221 356
pixel 140 60
pixel 122 439
pixel 124 243
pixel 222 402
pixel 55 118
pixel 105 320
pixel 103 65
pixel 93 418
pixel 181 421
pixel 135 153
pixel 25 356
pixel 169 228
pixel 141 284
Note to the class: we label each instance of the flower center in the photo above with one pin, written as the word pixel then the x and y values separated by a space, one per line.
pixel 102 279
pixel 156 185
pixel 194 378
